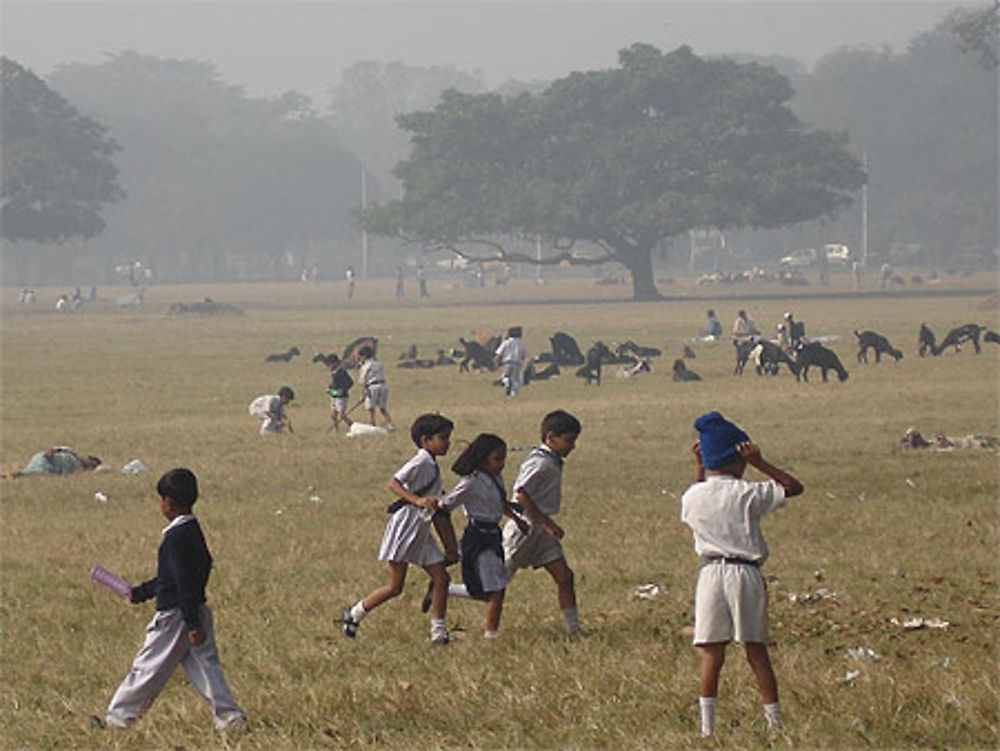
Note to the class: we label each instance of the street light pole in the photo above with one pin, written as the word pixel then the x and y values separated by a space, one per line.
pixel 364 232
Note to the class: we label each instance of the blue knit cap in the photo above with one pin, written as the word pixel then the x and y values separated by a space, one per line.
pixel 718 438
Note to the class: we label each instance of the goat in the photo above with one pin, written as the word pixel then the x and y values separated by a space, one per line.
pixel 877 342
pixel 350 355
pixel 681 372
pixel 968 332
pixel 530 374
pixel 814 353
pixel 768 357
pixel 623 350
pixel 410 353
pixel 688 352
pixel 565 350
pixel 642 366
pixel 926 340
pixel 477 356
pixel 284 356
pixel 991 336
pixel 743 349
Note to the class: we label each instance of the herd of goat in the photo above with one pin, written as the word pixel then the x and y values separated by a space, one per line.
pixel 766 355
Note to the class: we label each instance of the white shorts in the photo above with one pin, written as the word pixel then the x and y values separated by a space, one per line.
pixel 536 549
pixel 338 403
pixel 377 397
pixel 730 603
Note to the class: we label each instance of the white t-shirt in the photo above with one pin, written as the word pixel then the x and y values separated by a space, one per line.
pixel 511 350
pixel 724 514
pixel 372 373
pixel 540 477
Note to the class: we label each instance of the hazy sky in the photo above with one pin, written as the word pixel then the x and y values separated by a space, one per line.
pixel 271 47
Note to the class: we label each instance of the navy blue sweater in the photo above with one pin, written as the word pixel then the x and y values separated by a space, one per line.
pixel 182 569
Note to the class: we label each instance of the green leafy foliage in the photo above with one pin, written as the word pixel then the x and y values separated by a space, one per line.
pixel 57 163
pixel 618 159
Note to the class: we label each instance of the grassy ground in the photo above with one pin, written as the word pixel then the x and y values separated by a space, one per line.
pixel 294 523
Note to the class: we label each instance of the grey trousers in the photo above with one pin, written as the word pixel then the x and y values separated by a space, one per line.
pixel 166 646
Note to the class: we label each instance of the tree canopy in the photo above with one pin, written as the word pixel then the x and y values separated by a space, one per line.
pixel 617 160
pixel 57 163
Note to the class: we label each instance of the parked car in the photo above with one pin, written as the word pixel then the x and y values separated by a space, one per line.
pixel 799 258
pixel 837 253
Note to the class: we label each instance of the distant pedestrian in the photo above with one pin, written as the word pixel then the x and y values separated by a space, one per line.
pixel 400 289
pixel 723 511
pixel 856 267
pixel 422 280
pixel 349 275
pixel 886 274
pixel 510 355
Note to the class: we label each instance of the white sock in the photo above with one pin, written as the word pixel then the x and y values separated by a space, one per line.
pixel 457 590
pixel 438 627
pixel 772 712
pixel 491 634
pixel 707 706
pixel 358 612
pixel 571 618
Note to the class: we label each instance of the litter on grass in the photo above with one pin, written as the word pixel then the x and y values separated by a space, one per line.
pixel 863 654
pixel 849 676
pixel 99 496
pixel 917 623
pixel 644 592
pixel 134 467
pixel 808 598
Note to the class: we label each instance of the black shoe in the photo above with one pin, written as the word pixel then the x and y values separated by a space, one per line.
pixel 348 625
pixel 425 604
pixel 96 722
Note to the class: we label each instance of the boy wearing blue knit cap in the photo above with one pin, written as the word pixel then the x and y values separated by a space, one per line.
pixel 723 511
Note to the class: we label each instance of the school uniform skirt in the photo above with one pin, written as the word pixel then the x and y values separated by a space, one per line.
pixel 408 539
pixel 483 569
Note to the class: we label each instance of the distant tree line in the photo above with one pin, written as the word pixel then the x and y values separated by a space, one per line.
pixel 142 158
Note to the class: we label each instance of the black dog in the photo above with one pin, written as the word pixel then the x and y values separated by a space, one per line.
pixel 284 356
pixel 926 340
pixel 681 372
pixel 822 357
pixel 968 332
pixel 870 340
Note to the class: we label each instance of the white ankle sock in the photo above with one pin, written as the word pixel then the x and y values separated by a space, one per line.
pixel 772 712
pixel 457 590
pixel 707 706
pixel 491 634
pixel 358 612
pixel 438 627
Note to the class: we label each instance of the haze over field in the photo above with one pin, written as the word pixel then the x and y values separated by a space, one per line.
pixel 273 47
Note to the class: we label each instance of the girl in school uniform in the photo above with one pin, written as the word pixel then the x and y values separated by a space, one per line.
pixel 407 539
pixel 481 494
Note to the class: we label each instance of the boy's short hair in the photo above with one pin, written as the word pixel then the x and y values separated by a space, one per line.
pixel 515 331
pixel 428 425
pixel 366 351
pixel 180 486
pixel 286 392
pixel 332 359
pixel 560 422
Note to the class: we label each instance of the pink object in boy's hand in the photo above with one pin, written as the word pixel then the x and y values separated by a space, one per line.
pixel 115 583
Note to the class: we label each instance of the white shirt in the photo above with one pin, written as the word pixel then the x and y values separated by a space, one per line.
pixel 511 350
pixel 178 521
pixel 724 514
pixel 372 373
pixel 479 495
pixel 418 472
pixel 540 477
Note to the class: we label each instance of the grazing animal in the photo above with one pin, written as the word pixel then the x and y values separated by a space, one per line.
pixel 417 363
pixel 477 356
pixel 565 350
pixel 968 332
pixel 743 348
pixel 688 352
pixel 320 357
pixel 410 353
pixel 768 357
pixel 926 340
pixel 991 336
pixel 350 356
pixel 531 374
pixel 870 340
pixel 442 358
pixel 814 353
pixel 283 356
pixel 681 372
pixel 623 350
pixel 642 366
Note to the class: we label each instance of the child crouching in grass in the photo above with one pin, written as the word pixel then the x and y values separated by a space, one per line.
pixel 723 511
pixel 481 494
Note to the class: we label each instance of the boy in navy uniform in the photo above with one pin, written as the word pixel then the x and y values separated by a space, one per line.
pixel 181 632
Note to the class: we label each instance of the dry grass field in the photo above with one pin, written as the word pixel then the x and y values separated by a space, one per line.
pixel 294 523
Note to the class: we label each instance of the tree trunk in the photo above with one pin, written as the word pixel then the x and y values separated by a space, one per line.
pixel 639 262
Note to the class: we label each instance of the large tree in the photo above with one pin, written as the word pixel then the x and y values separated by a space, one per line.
pixel 57 163
pixel 608 164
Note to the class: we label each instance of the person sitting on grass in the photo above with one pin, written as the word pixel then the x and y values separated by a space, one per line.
pixel 723 511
